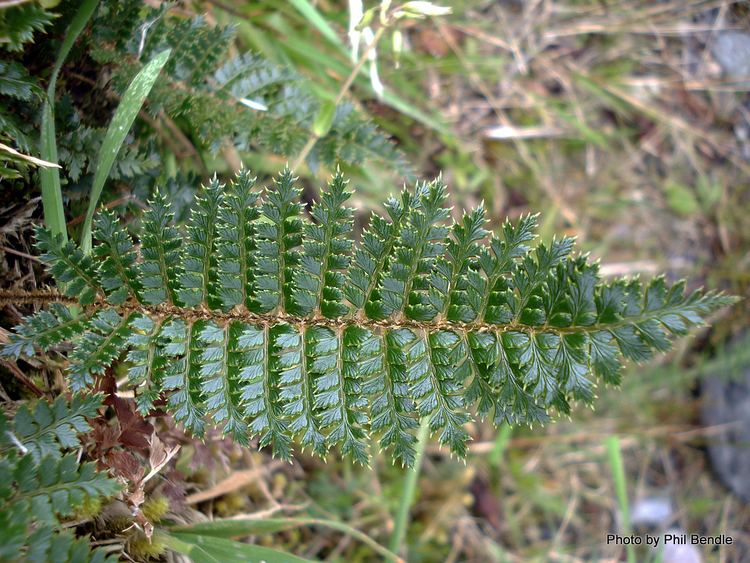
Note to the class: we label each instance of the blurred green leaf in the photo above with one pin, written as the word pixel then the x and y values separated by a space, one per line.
pixel 680 198
pixel 312 15
pixel 324 119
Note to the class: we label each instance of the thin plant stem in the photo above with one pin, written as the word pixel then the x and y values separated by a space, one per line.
pixel 343 91
pixel 618 475
pixel 409 489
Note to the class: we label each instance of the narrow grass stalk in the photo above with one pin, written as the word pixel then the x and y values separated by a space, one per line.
pixel 52 204
pixel 501 444
pixel 409 489
pixel 345 87
pixel 311 14
pixel 618 475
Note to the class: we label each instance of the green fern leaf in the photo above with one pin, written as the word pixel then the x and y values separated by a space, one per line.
pixel 44 330
pixel 46 430
pixel 98 348
pixel 271 323
pixel 41 493
pixel 372 258
pixel 198 278
pixel 220 387
pixel 325 255
pixel 117 267
pixel 73 270
pixel 18 24
pixel 15 82
pixel 278 241
pixel 237 247
pixel 419 242
pixel 247 99
pixel 147 361
pixel 382 365
pixel 40 485
pixel 48 544
pixel 160 244
pixel 182 374
pixel 298 391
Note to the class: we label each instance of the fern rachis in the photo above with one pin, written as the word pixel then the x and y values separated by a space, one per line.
pixel 271 322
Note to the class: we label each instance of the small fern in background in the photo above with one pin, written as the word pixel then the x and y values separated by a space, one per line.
pixel 243 99
pixel 19 21
pixel 42 485
pixel 268 322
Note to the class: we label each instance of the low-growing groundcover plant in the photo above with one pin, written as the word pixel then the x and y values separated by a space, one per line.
pixel 266 320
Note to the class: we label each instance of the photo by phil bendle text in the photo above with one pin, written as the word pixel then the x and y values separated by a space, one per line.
pixel 672 539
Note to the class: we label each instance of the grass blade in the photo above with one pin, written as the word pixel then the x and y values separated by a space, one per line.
pixel 209 549
pixel 312 15
pixel 231 528
pixel 409 489
pixel 500 446
pixel 118 129
pixel 54 215
pixel 618 475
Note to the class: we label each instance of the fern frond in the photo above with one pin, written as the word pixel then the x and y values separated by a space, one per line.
pixel 147 360
pixel 338 391
pixel 46 430
pixel 279 239
pixel 270 322
pixel 404 287
pixel 41 493
pixel 236 244
pixel 54 487
pixel 40 486
pixel 220 387
pixel 71 268
pixel 449 280
pixel 44 330
pixel 15 82
pixel 49 544
pixel 18 24
pixel 182 374
pixel 382 364
pixel 371 259
pixel 98 348
pixel 221 101
pixel 298 391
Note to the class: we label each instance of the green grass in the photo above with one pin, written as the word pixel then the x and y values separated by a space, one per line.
pixel 122 121
pixel 618 475
pixel 52 202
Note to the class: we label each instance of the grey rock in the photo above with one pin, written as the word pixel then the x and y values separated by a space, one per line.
pixel 651 512
pixel 725 401
pixel 687 553
pixel 732 51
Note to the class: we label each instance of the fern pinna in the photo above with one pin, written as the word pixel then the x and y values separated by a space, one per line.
pixel 266 320
pixel 41 486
